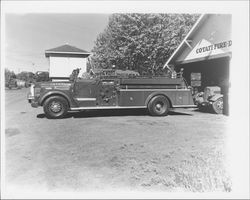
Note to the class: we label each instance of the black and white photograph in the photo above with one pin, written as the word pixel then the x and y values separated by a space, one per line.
pixel 124 99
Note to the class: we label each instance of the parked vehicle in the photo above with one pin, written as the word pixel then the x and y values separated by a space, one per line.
pixel 210 99
pixel 15 83
pixel 157 94
pixel 11 83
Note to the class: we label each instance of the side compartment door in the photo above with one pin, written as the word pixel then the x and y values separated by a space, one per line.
pixel 183 98
pixel 108 93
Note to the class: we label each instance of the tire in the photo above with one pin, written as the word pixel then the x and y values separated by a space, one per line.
pixel 158 106
pixel 218 106
pixel 55 107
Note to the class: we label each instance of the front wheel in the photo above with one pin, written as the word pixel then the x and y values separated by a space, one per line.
pixel 55 107
pixel 218 106
pixel 158 106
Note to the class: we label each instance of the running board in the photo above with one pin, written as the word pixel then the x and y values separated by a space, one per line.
pixel 185 106
pixel 126 107
pixel 107 107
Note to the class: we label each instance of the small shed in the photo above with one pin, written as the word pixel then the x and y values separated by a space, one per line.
pixel 64 59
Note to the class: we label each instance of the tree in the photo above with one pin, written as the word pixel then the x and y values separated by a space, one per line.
pixel 8 74
pixel 25 76
pixel 141 42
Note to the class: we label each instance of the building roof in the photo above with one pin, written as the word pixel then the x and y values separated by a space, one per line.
pixel 209 30
pixel 66 49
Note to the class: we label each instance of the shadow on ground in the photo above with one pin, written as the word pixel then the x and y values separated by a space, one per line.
pixel 204 110
pixel 111 113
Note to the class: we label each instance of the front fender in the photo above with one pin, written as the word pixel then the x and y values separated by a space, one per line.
pixel 53 93
pixel 215 97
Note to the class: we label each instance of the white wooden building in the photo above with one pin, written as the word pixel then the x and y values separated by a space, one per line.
pixel 64 59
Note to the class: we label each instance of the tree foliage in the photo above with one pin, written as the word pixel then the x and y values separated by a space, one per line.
pixel 25 76
pixel 8 74
pixel 140 42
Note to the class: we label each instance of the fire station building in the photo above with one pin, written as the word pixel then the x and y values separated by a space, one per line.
pixel 205 54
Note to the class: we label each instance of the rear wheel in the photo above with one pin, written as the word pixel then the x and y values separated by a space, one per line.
pixel 158 106
pixel 55 107
pixel 218 106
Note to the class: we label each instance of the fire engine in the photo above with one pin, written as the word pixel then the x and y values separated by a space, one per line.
pixel 158 94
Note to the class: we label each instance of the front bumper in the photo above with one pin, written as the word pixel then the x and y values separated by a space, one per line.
pixel 32 101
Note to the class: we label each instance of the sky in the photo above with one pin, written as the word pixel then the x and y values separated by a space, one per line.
pixel 27 36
